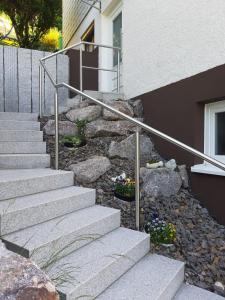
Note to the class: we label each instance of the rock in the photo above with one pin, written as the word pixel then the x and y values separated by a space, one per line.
pixel 89 113
pixel 65 128
pixel 61 110
pixel 184 176
pixel 160 182
pixel 21 279
pixel 126 148
pixel 171 164
pixel 219 288
pixel 138 108
pixel 74 102
pixel 3 251
pixel 101 128
pixel 90 170
pixel 154 165
pixel 122 106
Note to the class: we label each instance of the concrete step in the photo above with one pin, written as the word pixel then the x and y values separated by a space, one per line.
pixel 18 116
pixel 96 266
pixel 22 147
pixel 60 236
pixel 19 213
pixel 18 183
pixel 24 161
pixel 190 292
pixel 19 125
pixel 155 277
pixel 21 136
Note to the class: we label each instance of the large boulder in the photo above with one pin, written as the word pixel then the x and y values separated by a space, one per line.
pixel 21 279
pixel 101 128
pixel 126 148
pixel 162 182
pixel 89 113
pixel 137 107
pixel 90 170
pixel 122 106
pixel 65 128
pixel 184 176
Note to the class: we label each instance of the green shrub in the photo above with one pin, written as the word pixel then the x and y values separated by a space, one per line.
pixel 71 141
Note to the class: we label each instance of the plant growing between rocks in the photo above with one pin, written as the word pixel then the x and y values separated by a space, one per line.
pixel 79 140
pixel 160 231
pixel 81 126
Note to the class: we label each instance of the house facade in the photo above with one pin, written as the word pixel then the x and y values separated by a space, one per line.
pixel 173 56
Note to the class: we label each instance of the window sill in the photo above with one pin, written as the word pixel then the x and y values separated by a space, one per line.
pixel 207 169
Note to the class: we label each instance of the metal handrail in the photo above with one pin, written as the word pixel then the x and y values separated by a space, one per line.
pixel 139 124
pixel 80 44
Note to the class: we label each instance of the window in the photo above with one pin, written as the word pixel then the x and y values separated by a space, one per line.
pixel 117 37
pixel 215 130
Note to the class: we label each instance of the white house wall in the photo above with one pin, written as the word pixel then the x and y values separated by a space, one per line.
pixel 166 41
pixel 163 41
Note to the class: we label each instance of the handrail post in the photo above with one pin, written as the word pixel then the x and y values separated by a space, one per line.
pixel 40 89
pixel 56 109
pixel 118 71
pixel 137 178
pixel 81 70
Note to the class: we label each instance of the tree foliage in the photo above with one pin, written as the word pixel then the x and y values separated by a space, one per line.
pixel 32 18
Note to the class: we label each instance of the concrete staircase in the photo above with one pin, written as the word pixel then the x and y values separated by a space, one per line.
pixel 79 244
pixel 21 142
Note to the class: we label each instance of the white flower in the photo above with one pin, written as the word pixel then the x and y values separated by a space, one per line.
pixel 120 177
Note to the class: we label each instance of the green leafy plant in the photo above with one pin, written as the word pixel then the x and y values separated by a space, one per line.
pixel 71 141
pixel 160 232
pixel 127 190
pixel 81 127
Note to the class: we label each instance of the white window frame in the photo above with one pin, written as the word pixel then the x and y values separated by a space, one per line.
pixel 210 123
pixel 210 138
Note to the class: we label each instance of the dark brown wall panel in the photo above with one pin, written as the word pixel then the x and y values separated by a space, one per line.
pixel 210 189
pixel 178 110
pixel 90 77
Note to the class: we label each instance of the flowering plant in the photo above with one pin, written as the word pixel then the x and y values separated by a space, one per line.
pixel 124 186
pixel 160 231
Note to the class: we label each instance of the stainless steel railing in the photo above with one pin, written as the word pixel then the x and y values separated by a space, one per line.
pixel 139 124
pixel 79 46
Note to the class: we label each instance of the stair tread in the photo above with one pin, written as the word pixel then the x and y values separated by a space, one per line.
pixel 19 121
pixel 191 292
pixel 21 182
pixel 21 135
pixel 23 130
pixel 41 234
pixel 20 203
pixel 23 174
pixel 150 278
pixel 18 116
pixel 98 264
pixel 22 147
pixel 19 125
pixel 25 154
